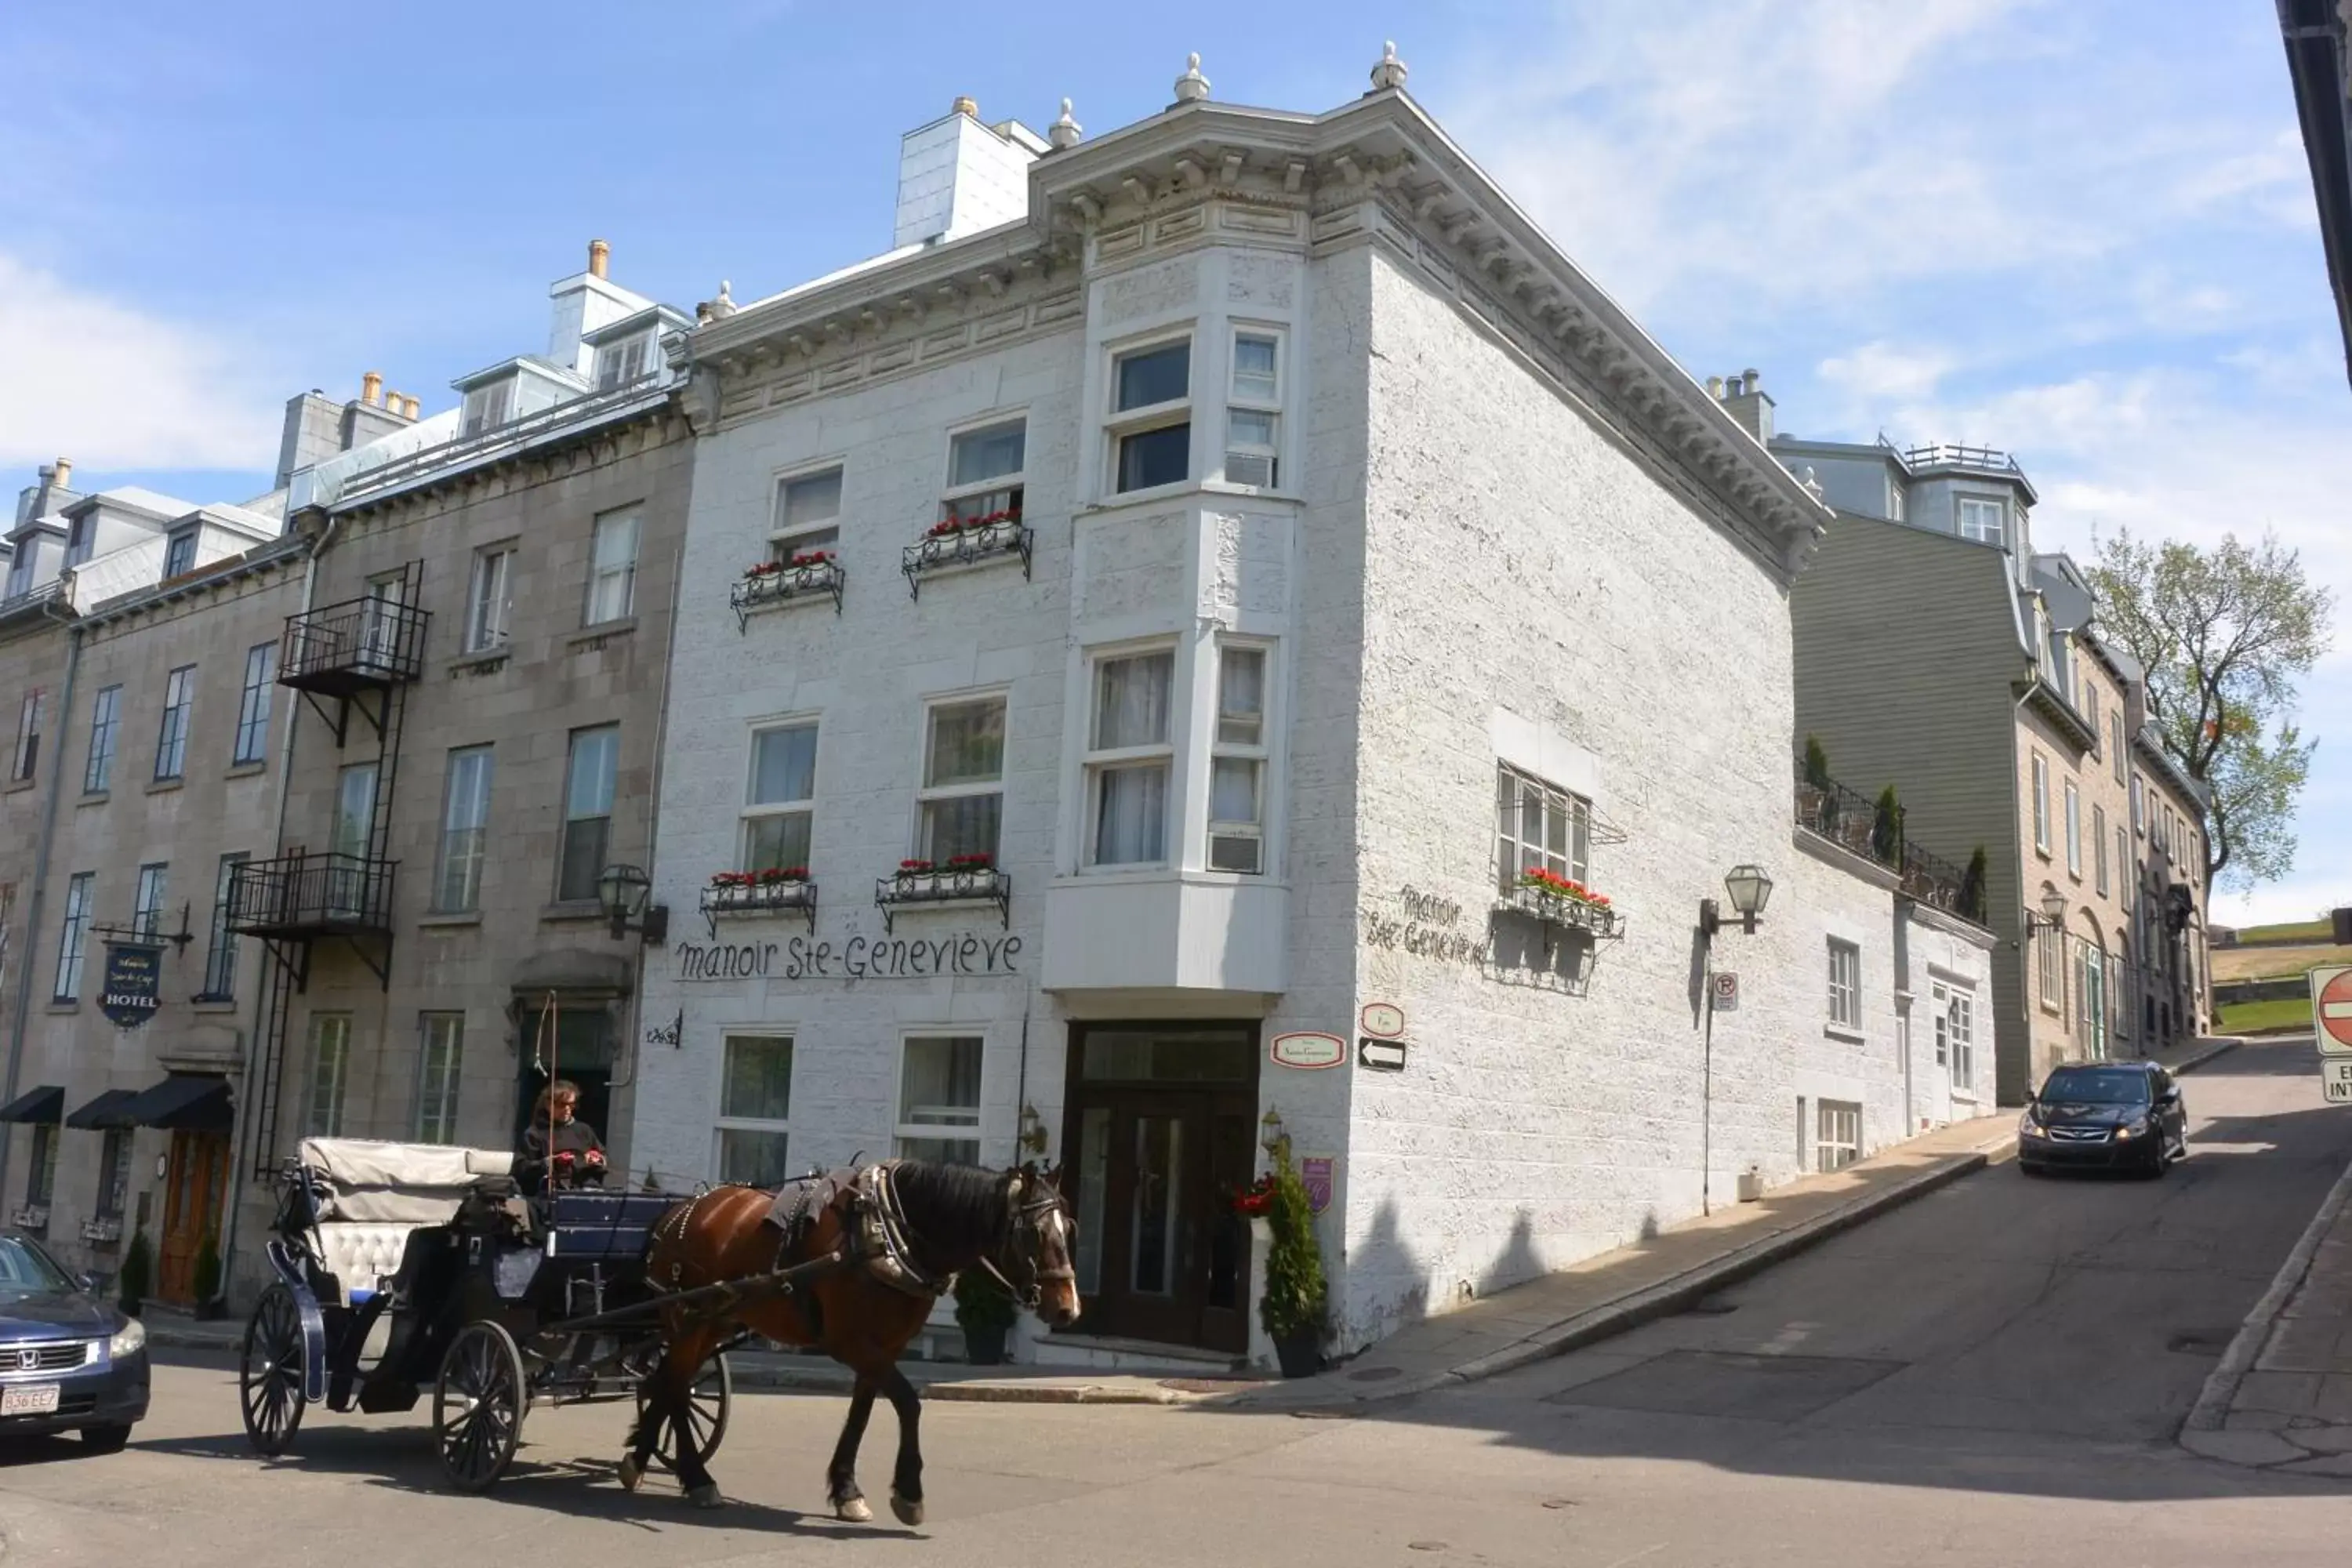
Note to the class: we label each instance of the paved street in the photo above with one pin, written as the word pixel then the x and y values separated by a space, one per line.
pixel 1991 1376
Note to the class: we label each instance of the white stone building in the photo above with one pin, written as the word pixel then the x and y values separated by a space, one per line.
pixel 1331 504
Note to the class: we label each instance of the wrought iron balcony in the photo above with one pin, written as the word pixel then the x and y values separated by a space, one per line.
pixel 972 542
pixel 1854 823
pixel 1947 455
pixel 971 881
pixel 757 893
pixel 359 645
pixel 302 895
pixel 804 579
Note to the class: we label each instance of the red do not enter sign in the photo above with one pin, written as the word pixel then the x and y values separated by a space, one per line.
pixel 2334 1006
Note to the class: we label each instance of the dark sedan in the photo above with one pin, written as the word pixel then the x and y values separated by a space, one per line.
pixel 2108 1116
pixel 69 1362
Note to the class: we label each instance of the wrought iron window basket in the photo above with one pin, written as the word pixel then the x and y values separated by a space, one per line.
pixel 1560 914
pixel 785 585
pixel 777 896
pixel 966 546
pixel 918 885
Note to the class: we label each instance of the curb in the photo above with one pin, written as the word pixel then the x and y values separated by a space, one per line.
pixel 1672 1296
pixel 824 1380
pixel 2211 1411
pixel 2195 1059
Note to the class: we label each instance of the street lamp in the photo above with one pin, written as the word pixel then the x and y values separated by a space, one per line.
pixel 2054 911
pixel 1749 889
pixel 626 892
pixel 1270 1133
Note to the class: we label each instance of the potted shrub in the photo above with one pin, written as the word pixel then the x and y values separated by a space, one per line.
pixel 1972 886
pixel 985 1315
pixel 208 1277
pixel 1291 1308
pixel 138 1263
pixel 1886 828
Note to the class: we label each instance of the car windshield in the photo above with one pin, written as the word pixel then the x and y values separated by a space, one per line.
pixel 2097 1085
pixel 26 1268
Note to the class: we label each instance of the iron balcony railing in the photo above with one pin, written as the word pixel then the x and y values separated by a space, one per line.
pixel 514 433
pixel 1956 455
pixel 372 641
pixel 305 894
pixel 1854 822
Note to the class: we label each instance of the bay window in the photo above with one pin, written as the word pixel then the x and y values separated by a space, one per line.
pixel 1237 762
pixel 1129 758
pixel 1254 412
pixel 1151 415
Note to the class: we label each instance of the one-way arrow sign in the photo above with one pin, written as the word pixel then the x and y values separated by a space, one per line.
pixel 1380 1056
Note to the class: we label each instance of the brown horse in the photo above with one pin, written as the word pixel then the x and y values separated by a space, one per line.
pixel 952 1219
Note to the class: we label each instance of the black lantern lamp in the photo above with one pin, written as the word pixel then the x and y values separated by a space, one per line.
pixel 628 894
pixel 1749 889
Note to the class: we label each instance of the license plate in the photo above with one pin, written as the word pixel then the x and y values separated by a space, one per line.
pixel 29 1399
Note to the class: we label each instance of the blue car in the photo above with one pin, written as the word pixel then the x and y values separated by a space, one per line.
pixel 69 1361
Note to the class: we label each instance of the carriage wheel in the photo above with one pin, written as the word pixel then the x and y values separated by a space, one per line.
pixel 706 1407
pixel 478 1405
pixel 269 1379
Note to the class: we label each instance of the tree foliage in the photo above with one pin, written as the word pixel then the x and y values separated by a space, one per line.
pixel 2224 635
pixel 1294 1299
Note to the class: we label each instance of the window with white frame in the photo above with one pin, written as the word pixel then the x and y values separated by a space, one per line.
pixel 1845 984
pixel 808 514
pixel 34 709
pixel 331 1057
pixel 489 598
pixel 2124 880
pixel 220 956
pixel 2041 803
pixel 1129 758
pixel 2074 829
pixel 985 469
pixel 1956 1037
pixel 623 361
pixel 755 1108
pixel 179 553
pixel 172 734
pixel 105 717
pixel 252 704
pixel 487 407
pixel 1254 411
pixel 1538 826
pixel 2091 708
pixel 2116 749
pixel 1895 500
pixel 441 1039
pixel 779 803
pixel 2139 808
pixel 2053 966
pixel 1237 760
pixel 464 830
pixel 613 567
pixel 938 1100
pixel 1983 518
pixel 1151 415
pixel 1837 1135
pixel 2099 848
pixel 960 806
pixel 73 936
pixel 147 912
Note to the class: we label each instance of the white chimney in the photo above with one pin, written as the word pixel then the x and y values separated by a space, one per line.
pixel 958 177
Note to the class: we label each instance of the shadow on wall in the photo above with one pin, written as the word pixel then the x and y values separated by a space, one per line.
pixel 1383 1262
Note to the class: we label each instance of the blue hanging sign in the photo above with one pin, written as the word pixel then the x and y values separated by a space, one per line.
pixel 135 973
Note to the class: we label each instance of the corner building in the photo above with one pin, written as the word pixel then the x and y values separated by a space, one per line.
pixel 1115 637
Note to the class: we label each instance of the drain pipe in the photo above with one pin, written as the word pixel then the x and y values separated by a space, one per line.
pixel 40 886
pixel 242 1129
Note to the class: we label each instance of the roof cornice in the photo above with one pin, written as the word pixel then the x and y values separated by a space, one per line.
pixel 2053 705
pixel 2163 761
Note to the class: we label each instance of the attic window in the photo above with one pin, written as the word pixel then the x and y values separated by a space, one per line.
pixel 77 542
pixel 623 362
pixel 179 553
pixel 487 407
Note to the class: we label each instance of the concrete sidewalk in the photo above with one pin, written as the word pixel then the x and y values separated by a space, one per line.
pixel 1550 1316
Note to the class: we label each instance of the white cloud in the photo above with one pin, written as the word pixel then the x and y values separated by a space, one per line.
pixel 1882 371
pixel 112 387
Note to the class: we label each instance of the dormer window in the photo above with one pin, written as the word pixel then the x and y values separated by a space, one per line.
pixel 77 542
pixel 179 553
pixel 619 363
pixel 1984 518
pixel 487 407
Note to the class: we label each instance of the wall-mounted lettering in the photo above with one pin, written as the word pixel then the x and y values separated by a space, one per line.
pixel 853 957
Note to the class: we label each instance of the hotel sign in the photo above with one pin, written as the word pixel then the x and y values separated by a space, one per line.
pixel 135 973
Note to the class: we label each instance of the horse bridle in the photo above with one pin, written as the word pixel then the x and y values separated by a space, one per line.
pixel 1026 1214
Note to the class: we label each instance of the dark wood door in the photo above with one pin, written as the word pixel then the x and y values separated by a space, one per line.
pixel 196 1179
pixel 1153 1163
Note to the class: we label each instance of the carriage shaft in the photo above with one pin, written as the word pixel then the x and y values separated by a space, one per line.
pixel 724 1294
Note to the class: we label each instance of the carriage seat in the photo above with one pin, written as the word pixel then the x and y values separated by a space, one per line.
pixel 375 1194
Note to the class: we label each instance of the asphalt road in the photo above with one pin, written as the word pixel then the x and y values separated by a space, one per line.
pixel 1989 1376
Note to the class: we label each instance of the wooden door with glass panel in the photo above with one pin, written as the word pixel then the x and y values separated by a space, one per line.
pixel 1158 1136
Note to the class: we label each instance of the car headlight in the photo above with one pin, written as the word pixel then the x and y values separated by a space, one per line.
pixel 2029 1127
pixel 129 1340
pixel 2130 1130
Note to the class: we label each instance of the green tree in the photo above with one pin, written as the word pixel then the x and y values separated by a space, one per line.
pixel 2224 635
pixel 1294 1299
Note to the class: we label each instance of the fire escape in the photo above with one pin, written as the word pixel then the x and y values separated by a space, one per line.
pixel 350 662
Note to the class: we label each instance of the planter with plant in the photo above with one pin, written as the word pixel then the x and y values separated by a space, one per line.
pixel 1293 1306
pixel 986 1314
pixel 137 1268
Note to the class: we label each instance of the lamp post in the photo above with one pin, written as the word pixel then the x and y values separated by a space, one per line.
pixel 628 893
pixel 1271 1136
pixel 1749 889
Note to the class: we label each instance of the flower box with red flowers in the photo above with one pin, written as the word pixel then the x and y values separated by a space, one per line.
pixel 961 538
pixel 960 878
pixel 1563 900
pixel 804 575
pixel 766 890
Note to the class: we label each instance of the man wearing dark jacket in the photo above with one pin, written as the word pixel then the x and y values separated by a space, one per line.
pixel 559 1150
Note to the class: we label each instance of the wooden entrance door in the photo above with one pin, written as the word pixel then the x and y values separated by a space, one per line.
pixel 1160 1130
pixel 197 1179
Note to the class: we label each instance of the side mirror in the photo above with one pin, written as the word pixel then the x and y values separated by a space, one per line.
pixel 89 1283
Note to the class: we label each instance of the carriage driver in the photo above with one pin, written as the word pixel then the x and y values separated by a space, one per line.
pixel 573 1156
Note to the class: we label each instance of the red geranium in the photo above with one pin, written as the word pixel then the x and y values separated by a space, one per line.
pixel 908 867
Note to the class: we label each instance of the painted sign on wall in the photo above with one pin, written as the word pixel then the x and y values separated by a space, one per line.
pixel 855 957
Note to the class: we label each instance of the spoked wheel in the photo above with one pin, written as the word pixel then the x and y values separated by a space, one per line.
pixel 478 1406
pixel 706 1407
pixel 269 1379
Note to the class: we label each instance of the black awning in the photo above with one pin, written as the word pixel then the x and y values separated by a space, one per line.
pixel 183 1102
pixel 44 1106
pixel 104 1112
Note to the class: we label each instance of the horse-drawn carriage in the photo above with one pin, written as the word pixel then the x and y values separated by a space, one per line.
pixel 404 1267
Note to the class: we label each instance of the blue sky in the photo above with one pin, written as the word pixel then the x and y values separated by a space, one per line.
pixel 2079 229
